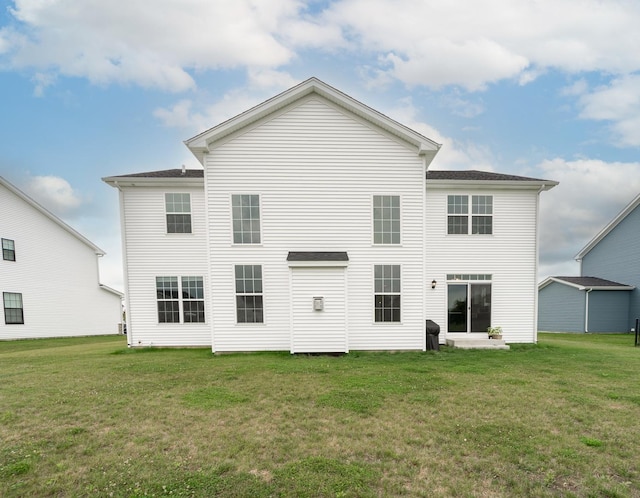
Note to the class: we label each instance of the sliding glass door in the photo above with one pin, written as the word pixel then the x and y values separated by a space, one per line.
pixel 469 307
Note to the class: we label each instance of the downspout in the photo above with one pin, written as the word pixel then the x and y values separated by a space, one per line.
pixel 424 248
pixel 535 294
pixel 125 265
pixel 586 310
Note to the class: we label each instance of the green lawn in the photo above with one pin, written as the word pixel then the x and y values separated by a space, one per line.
pixel 88 417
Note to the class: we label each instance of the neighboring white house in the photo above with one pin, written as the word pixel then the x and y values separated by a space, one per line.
pixel 49 275
pixel 315 227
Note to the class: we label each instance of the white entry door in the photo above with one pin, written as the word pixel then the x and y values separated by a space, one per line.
pixel 319 310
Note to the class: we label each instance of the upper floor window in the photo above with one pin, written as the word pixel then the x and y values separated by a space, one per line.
pixel 386 219
pixel 13 312
pixel 249 304
pixel 246 218
pixel 387 293
pixel 178 208
pixel 8 250
pixel 477 220
pixel 180 296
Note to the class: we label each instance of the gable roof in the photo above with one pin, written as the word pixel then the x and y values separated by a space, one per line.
pixel 586 283
pixel 476 177
pixel 201 142
pixel 12 188
pixel 612 224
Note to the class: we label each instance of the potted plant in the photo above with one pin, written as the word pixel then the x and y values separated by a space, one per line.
pixel 494 332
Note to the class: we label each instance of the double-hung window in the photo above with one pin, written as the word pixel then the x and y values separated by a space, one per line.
pixel 387 293
pixel 192 300
pixel 246 218
pixel 249 304
pixel 476 221
pixel 13 311
pixel 8 250
pixel 386 219
pixel 178 209
pixel 180 296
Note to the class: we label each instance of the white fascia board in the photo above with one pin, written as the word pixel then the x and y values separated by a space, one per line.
pixel 199 145
pixel 605 231
pixel 129 181
pixel 493 184
pixel 51 216
pixel 112 291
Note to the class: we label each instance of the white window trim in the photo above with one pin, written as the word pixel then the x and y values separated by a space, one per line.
pixel 469 215
pixel 374 293
pixel 181 301
pixel 246 244
pixel 235 294
pixel 166 224
pixel 372 220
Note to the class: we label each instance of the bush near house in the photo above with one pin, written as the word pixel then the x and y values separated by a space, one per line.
pixel 88 417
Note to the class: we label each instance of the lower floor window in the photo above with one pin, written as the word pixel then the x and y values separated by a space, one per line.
pixel 13 311
pixel 249 304
pixel 180 296
pixel 387 293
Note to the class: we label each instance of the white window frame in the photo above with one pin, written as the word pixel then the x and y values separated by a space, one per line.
pixel 6 250
pixel 243 292
pixel 473 212
pixel 380 291
pixel 177 212
pixel 238 223
pixel 382 220
pixel 181 299
pixel 11 298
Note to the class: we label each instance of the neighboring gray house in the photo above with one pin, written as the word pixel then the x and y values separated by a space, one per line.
pixel 583 304
pixel 598 304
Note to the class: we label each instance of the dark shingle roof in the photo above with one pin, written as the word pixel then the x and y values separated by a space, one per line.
pixel 475 175
pixel 317 256
pixel 466 175
pixel 591 282
pixel 167 173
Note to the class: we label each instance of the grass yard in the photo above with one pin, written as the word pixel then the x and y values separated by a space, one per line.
pixel 88 417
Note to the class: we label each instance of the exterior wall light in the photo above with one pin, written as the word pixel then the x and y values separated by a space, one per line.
pixel 433 284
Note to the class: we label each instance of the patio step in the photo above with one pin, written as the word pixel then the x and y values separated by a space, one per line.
pixel 477 343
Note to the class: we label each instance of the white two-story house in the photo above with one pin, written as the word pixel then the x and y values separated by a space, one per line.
pixel 315 225
pixel 49 275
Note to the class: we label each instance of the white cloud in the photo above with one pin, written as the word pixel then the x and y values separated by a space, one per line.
pixel 470 44
pixel 619 103
pixel 152 45
pixel 590 194
pixel 54 193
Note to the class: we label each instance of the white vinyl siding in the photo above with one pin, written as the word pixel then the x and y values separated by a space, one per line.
pixel 58 281
pixel 319 330
pixel 316 169
pixel 509 256
pixel 151 252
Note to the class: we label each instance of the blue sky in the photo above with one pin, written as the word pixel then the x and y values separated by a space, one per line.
pixel 545 88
